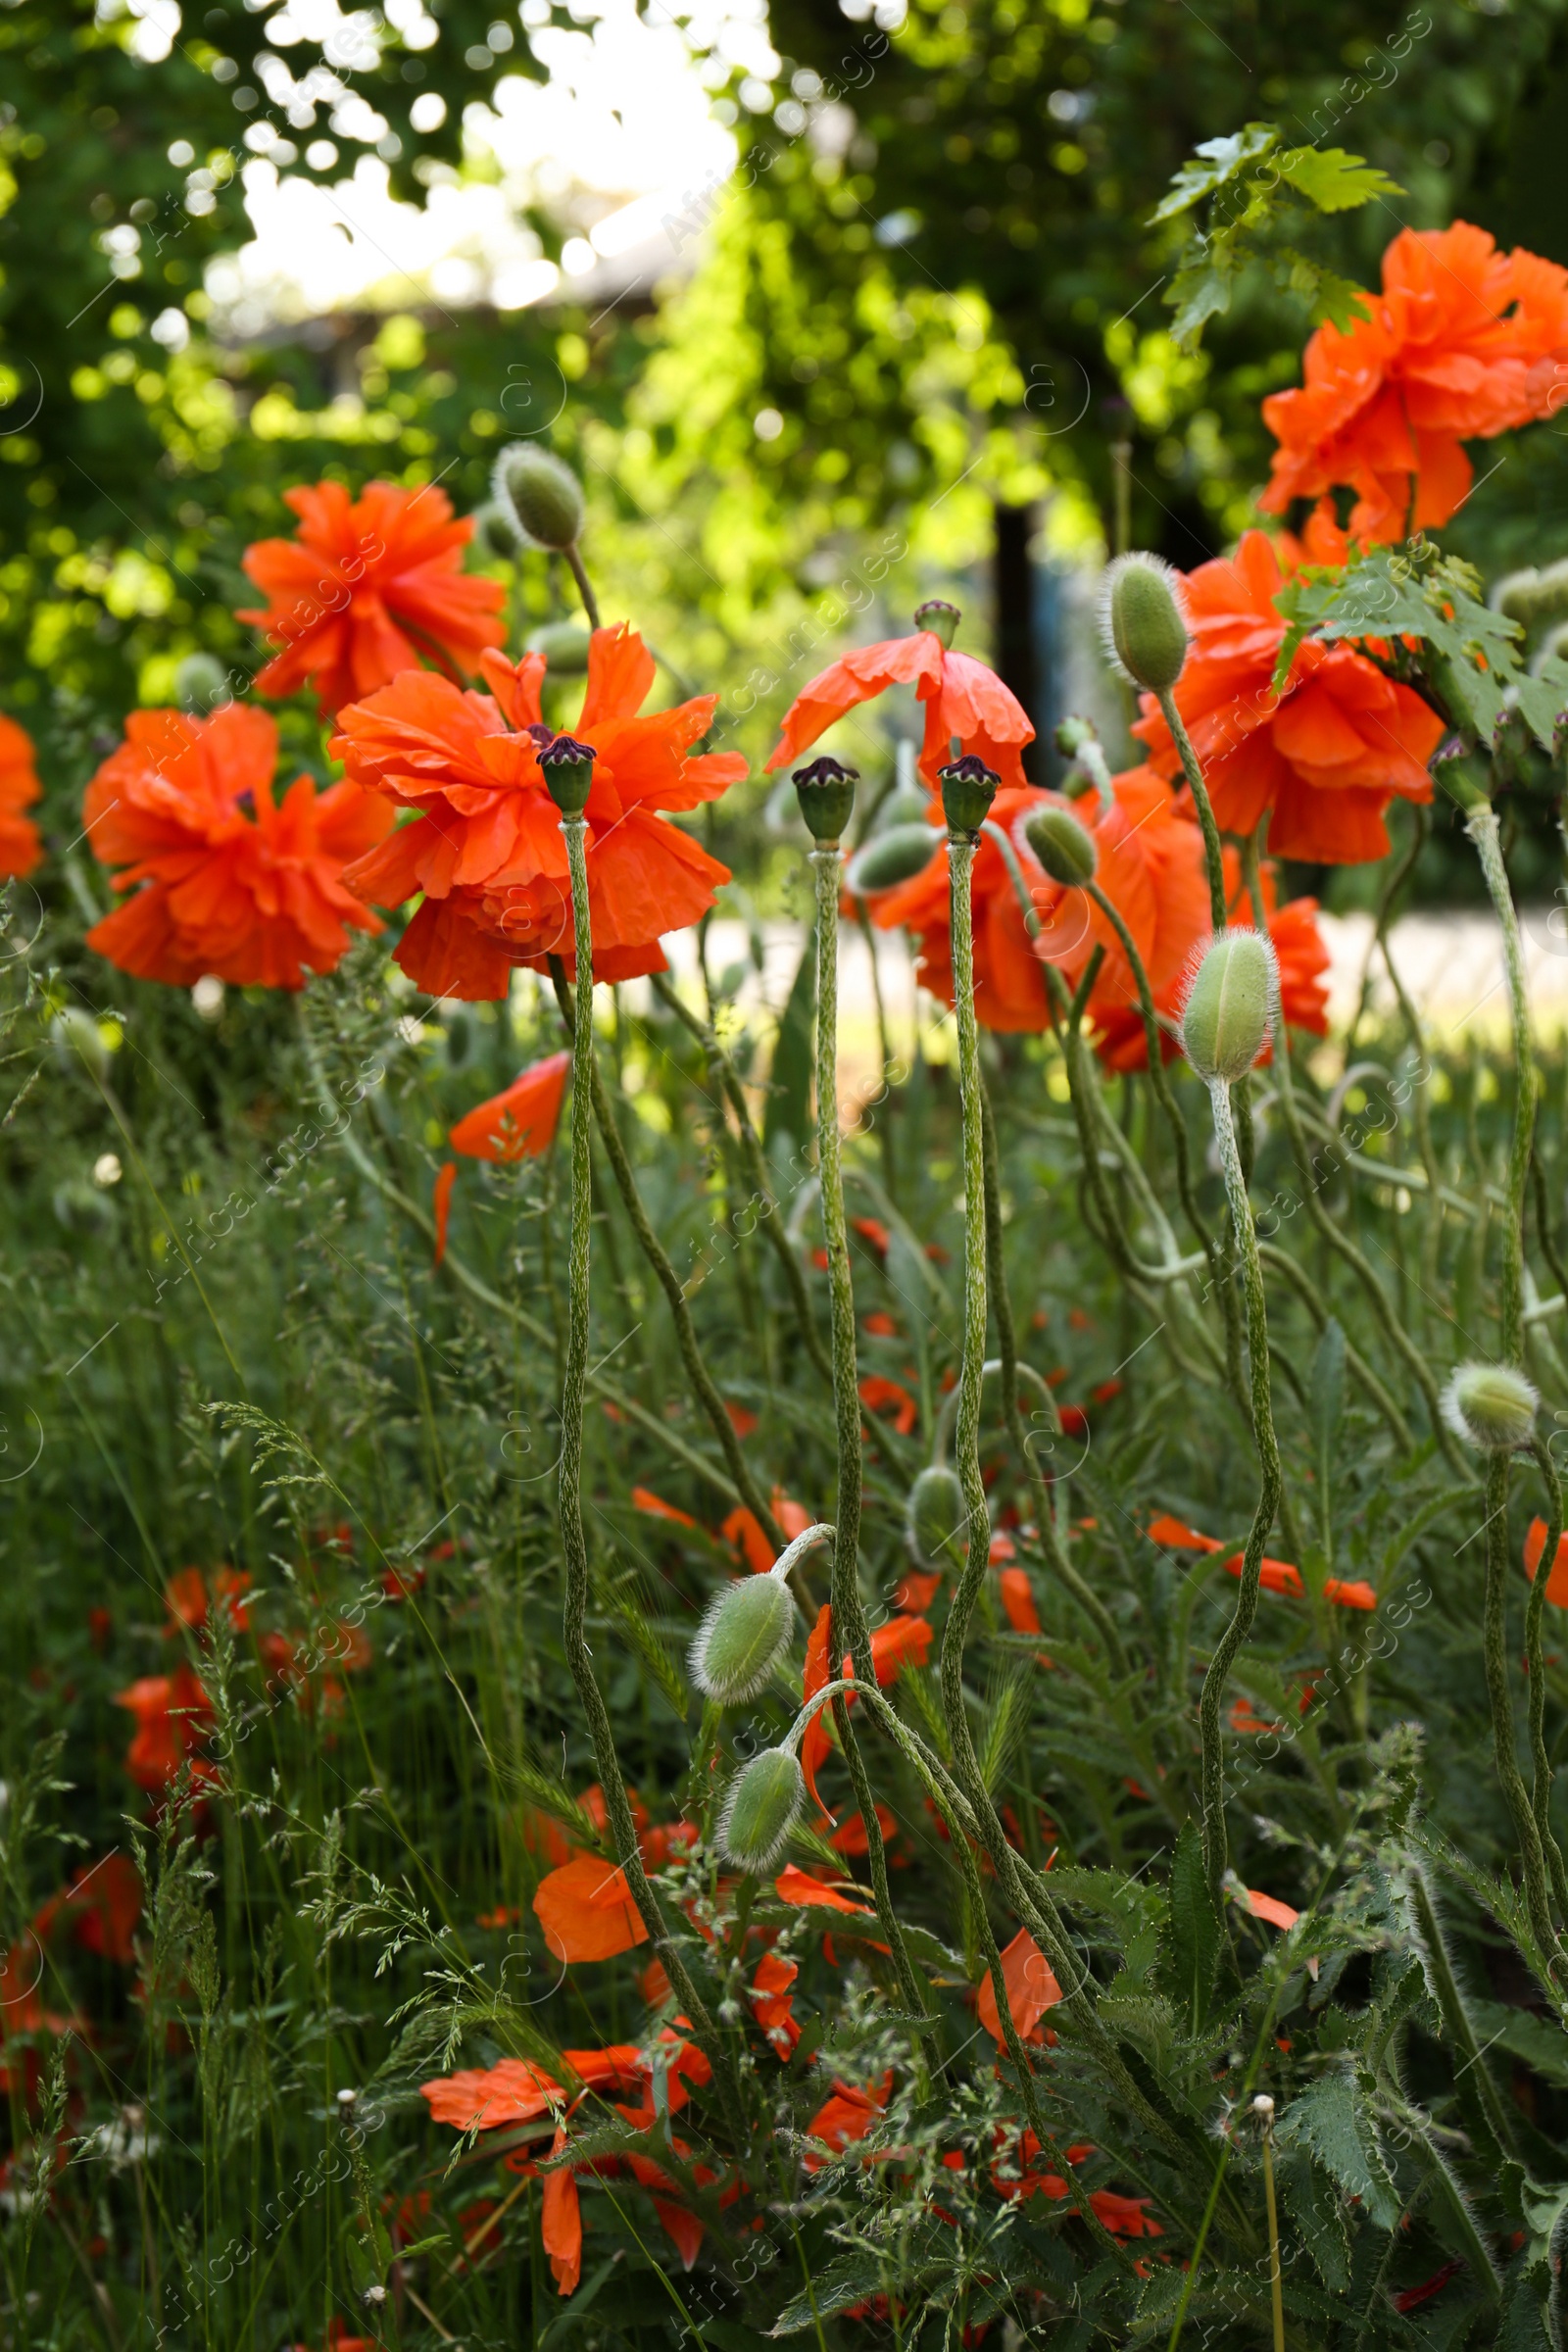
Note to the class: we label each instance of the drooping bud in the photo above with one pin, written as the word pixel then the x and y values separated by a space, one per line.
pixel 941 619
pixel 1144 631
pixel 826 793
pixel 544 495
pixel 935 1520
pixel 746 1627
pixel 762 1808
pixel 567 768
pixel 891 857
pixel 1064 846
pixel 968 787
pixel 564 647
pixel 1229 1013
pixel 201 684
pixel 1490 1407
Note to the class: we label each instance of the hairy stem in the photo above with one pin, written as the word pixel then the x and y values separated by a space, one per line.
pixel 1214 855
pixel 1482 826
pixel 1495 1646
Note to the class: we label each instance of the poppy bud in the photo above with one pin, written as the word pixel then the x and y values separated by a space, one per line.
pixel 891 857
pixel 1074 735
pixel 567 768
pixel 968 787
pixel 76 1039
pixel 1462 773
pixel 495 530
pixel 826 794
pixel 746 1627
pixel 1490 1407
pixel 934 1517
pixel 201 684
pixel 762 1808
pixel 906 804
pixel 1229 1011
pixel 1066 849
pixel 544 495
pixel 1144 625
pixel 941 619
pixel 563 645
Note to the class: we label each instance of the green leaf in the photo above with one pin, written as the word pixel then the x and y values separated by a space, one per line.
pixel 1222 160
pixel 1543 700
pixel 849 2279
pixel 1312 2197
pixel 1200 292
pixel 1335 2123
pixel 1194 1933
pixel 1331 179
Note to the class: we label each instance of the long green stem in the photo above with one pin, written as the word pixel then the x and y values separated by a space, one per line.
pixel 1495 1646
pixel 1536 1659
pixel 1213 855
pixel 579 1657
pixel 847 1618
pixel 1482 826
pixel 1215 1845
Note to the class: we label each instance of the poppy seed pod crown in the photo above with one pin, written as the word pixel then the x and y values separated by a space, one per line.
pixel 1145 633
pixel 934 1517
pixel 941 619
pixel 825 790
pixel 762 1808
pixel 968 787
pixel 891 857
pixel 567 768
pixel 544 495
pixel 1490 1407
pixel 1066 849
pixel 1229 1013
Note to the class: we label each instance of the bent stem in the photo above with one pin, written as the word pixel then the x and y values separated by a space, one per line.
pixel 568 1491
pixel 1215 1849
pixel 1214 855
pixel 848 1620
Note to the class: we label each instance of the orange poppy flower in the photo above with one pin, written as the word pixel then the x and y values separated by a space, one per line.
pixel 521 1122
pixel 220 878
pixel 916 1589
pixel 1325 753
pixel 1443 358
pixel 880 1394
pixel 1032 1990
pixel 643 1499
pixel 846 2114
pixel 804 1892
pixel 1269 1907
pixel 173 1715
pixel 773 2002
pixel 487 850
pixel 586 1910
pixel 743 1530
pixel 962 698
pixel 901 1641
pixel 191 1596
pixel 20 846
pixel 369 587
pixel 104 1902
pixel 561 2221
pixel 482 2099
pixel 1557 1574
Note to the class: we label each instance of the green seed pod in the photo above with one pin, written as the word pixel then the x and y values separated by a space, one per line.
pixel 745 1629
pixel 1229 1013
pixel 544 495
pixel 889 858
pixel 825 790
pixel 1064 846
pixel 1145 631
pixel 201 684
pixel 567 768
pixel 940 617
pixel 935 1518
pixel 564 647
pixel 762 1808
pixel 77 1043
pixel 968 787
pixel 1490 1407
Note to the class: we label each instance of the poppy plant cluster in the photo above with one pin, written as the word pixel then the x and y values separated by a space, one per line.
pixel 486 849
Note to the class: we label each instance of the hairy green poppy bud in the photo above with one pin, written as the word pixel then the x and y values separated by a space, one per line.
pixel 201 684
pixel 968 787
pixel 1144 625
pixel 1492 1407
pixel 941 619
pixel 544 495
pixel 1229 1013
pixel 563 645
pixel 1074 735
pixel 567 768
pixel 934 1517
pixel 745 1629
pixel 762 1808
pixel 1066 849
pixel 889 858
pixel 826 793
pixel 76 1041
pixel 495 530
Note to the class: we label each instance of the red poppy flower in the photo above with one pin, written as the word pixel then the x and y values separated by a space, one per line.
pixel 915 1590
pixel 901 1641
pixel 962 698
pixel 1269 1907
pixel 221 879
pixel 191 1596
pixel 561 2222
pixel 586 1910
pixel 1325 753
pixel 804 1892
pixel 880 1394
pixel 482 2099
pixel 104 1902
pixel 20 846
pixel 1032 1990
pixel 744 1529
pixel 773 2002
pixel 521 1122
pixel 1446 357
pixel 643 1499
pixel 173 1715
pixel 487 850
pixel 846 2114
pixel 1557 1574
pixel 369 587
